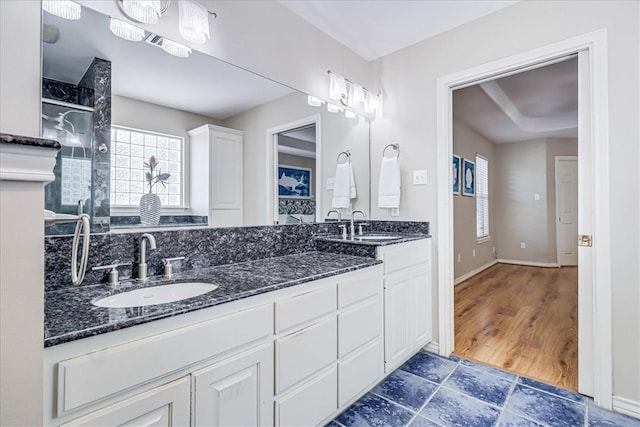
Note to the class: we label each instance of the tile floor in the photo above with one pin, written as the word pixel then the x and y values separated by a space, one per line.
pixel 430 390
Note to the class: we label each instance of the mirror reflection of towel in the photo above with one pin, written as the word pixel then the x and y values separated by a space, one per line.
pixel 389 185
pixel 344 188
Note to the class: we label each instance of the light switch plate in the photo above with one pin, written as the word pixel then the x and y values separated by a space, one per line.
pixel 331 182
pixel 420 177
pixel 536 196
pixel 395 211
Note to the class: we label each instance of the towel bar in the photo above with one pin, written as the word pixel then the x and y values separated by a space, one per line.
pixel 395 147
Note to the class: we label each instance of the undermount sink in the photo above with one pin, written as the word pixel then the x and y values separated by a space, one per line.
pixel 377 237
pixel 155 295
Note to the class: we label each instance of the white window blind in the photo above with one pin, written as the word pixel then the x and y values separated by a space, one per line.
pixel 482 197
pixel 130 149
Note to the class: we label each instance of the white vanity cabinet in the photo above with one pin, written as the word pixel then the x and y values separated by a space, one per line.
pixel 216 174
pixel 291 357
pixel 407 300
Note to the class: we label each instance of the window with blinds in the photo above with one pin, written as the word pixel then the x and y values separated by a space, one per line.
pixel 482 197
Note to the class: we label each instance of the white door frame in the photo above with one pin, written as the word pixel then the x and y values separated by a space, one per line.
pixel 271 187
pixel 596 44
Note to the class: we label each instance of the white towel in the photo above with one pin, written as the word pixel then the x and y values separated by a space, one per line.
pixel 344 187
pixel 389 185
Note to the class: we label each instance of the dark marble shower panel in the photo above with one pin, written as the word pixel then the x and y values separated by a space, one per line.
pixel 296 206
pixel 95 89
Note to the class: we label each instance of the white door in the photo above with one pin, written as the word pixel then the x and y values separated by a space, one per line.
pixel 567 209
pixel 397 319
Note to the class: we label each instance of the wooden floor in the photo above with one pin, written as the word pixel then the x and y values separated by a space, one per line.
pixel 521 319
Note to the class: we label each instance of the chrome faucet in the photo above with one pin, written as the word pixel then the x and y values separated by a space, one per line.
pixel 353 227
pixel 336 211
pixel 142 266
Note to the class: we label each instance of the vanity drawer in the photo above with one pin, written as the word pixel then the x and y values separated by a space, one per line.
pixel 359 325
pixel 297 310
pixel 305 352
pixel 399 257
pixel 360 287
pixel 310 404
pixel 93 376
pixel 359 371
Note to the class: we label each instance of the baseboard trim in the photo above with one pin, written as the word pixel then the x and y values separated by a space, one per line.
pixel 432 347
pixel 474 272
pixel 626 406
pixel 529 263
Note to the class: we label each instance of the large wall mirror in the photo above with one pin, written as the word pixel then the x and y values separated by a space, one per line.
pixel 114 103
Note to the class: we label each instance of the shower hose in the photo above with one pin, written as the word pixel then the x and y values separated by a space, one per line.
pixel 77 271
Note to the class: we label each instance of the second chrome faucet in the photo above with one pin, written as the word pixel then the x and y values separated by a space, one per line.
pixel 142 266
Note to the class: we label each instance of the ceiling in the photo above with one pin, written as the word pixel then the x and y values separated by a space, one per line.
pixel 534 104
pixel 373 29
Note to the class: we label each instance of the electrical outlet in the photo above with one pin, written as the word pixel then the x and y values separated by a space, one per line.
pixel 523 245
pixel 536 196
pixel 459 257
pixel 420 177
pixel 331 182
pixel 474 252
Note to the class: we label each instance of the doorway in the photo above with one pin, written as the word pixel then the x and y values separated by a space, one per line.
pixel 595 367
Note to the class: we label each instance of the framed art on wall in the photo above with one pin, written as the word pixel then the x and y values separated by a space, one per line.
pixel 468 178
pixel 294 182
pixel 455 174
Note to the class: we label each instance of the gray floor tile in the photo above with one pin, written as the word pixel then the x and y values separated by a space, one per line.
pixel 479 384
pixel 372 410
pixel 406 389
pixel 451 408
pixel 429 366
pixel 545 408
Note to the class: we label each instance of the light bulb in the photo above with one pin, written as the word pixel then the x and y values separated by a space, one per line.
pixel 125 30
pixel 63 8
pixel 193 21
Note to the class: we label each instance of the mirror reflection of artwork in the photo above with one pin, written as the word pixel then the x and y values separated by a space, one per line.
pixel 294 181
pixel 73 129
pixel 455 174
pixel 468 176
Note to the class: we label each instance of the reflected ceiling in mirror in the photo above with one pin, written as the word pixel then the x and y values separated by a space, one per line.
pixel 141 70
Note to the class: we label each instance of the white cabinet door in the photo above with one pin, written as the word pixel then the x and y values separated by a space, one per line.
pixel 397 319
pixel 167 405
pixel 420 299
pixel 236 391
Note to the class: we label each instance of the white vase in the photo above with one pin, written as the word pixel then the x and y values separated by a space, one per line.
pixel 149 209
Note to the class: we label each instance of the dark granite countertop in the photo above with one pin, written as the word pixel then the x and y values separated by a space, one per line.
pixel 30 141
pixel 69 314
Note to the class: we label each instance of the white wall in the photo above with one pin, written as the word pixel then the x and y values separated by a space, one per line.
pixel 466 144
pixel 142 115
pixel 337 134
pixel 21 223
pixel 408 78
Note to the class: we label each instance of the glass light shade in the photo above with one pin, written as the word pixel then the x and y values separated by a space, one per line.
pixel 370 103
pixel 63 8
pixel 356 94
pixel 193 21
pixel 333 108
pixel 175 49
pixel 337 86
pixel 146 11
pixel 313 101
pixel 125 30
pixel 349 114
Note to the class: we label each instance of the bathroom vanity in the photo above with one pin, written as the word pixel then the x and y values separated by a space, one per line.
pixel 290 340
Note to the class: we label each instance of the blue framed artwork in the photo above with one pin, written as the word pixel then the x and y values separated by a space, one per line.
pixel 455 174
pixel 468 178
pixel 294 182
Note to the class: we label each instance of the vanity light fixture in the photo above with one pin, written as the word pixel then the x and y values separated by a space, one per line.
pixel 337 86
pixel 63 8
pixel 349 114
pixel 145 11
pixel 356 94
pixel 193 21
pixel 313 101
pixel 371 103
pixel 175 49
pixel 334 108
pixel 125 30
